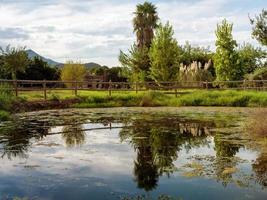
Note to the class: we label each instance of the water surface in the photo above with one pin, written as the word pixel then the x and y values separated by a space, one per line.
pixel 131 153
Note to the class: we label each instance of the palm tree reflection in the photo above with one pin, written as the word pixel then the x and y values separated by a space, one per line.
pixel 157 143
pixel 73 135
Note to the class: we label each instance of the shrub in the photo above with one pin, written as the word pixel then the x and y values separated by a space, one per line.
pixel 4 116
pixel 6 96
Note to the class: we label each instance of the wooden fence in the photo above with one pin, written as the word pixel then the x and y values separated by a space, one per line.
pixel 168 87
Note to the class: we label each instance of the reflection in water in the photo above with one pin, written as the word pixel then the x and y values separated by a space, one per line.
pixel 16 138
pixel 157 140
pixel 260 168
pixel 73 135
pixel 157 143
pixel 225 152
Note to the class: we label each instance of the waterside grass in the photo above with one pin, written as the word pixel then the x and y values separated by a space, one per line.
pixel 99 99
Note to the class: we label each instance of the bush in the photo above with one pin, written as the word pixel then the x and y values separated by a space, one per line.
pixel 259 74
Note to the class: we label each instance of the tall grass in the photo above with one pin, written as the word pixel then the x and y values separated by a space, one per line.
pixel 192 98
pixel 6 96
pixel 6 99
pixel 223 98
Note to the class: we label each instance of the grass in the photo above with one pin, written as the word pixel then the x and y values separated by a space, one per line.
pixel 99 99
pixel 224 98
pixel 4 115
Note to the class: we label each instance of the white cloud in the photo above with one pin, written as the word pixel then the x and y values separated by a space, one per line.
pixel 97 30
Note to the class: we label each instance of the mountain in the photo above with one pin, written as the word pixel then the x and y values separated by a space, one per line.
pixel 32 54
pixel 91 64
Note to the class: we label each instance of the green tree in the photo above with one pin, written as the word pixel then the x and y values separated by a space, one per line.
pixel 259 27
pixel 145 21
pixel 226 59
pixel 15 60
pixel 191 54
pixel 39 70
pixel 73 72
pixel 136 62
pixel 164 55
pixel 251 57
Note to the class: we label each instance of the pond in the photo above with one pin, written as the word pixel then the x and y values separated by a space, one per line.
pixel 131 153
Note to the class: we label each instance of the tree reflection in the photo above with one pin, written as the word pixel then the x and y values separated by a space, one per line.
pixel 260 169
pixel 73 135
pixel 225 152
pixel 16 138
pixel 157 143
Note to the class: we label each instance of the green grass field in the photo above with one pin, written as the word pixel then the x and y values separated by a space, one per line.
pixel 149 98
pixel 98 99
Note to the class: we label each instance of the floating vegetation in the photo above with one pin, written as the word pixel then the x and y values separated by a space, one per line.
pixel 146 151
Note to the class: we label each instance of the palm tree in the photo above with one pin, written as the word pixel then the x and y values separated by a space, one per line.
pixel 144 22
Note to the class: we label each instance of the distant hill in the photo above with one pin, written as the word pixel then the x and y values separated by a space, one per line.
pixel 32 54
pixel 92 64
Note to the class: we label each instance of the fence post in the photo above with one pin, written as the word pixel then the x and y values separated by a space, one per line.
pixel 136 87
pixel 109 88
pixel 206 82
pixel 76 88
pixel 44 87
pixel 244 84
pixel 16 87
pixel 176 93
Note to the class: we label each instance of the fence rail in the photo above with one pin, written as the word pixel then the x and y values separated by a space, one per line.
pixel 170 87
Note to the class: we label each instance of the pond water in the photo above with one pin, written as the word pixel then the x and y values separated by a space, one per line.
pixel 131 153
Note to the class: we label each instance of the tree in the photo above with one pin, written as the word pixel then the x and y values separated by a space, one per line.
pixel 192 54
pixel 136 62
pixel 3 72
pixel 15 60
pixel 164 55
pixel 144 22
pixel 73 72
pixel 226 59
pixel 39 70
pixel 259 27
pixel 251 57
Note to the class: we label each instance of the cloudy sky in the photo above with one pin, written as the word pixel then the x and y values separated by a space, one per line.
pixel 95 30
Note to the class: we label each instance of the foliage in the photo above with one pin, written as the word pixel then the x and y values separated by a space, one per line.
pixel 258 74
pixel 98 71
pixel 15 59
pixel 191 54
pixel 73 72
pixel 164 55
pixel 144 22
pixel 259 29
pixel 195 72
pixel 223 98
pixel 135 63
pixel 39 70
pixel 4 115
pixel 251 57
pixel 6 96
pixel 226 59
pixel 115 74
